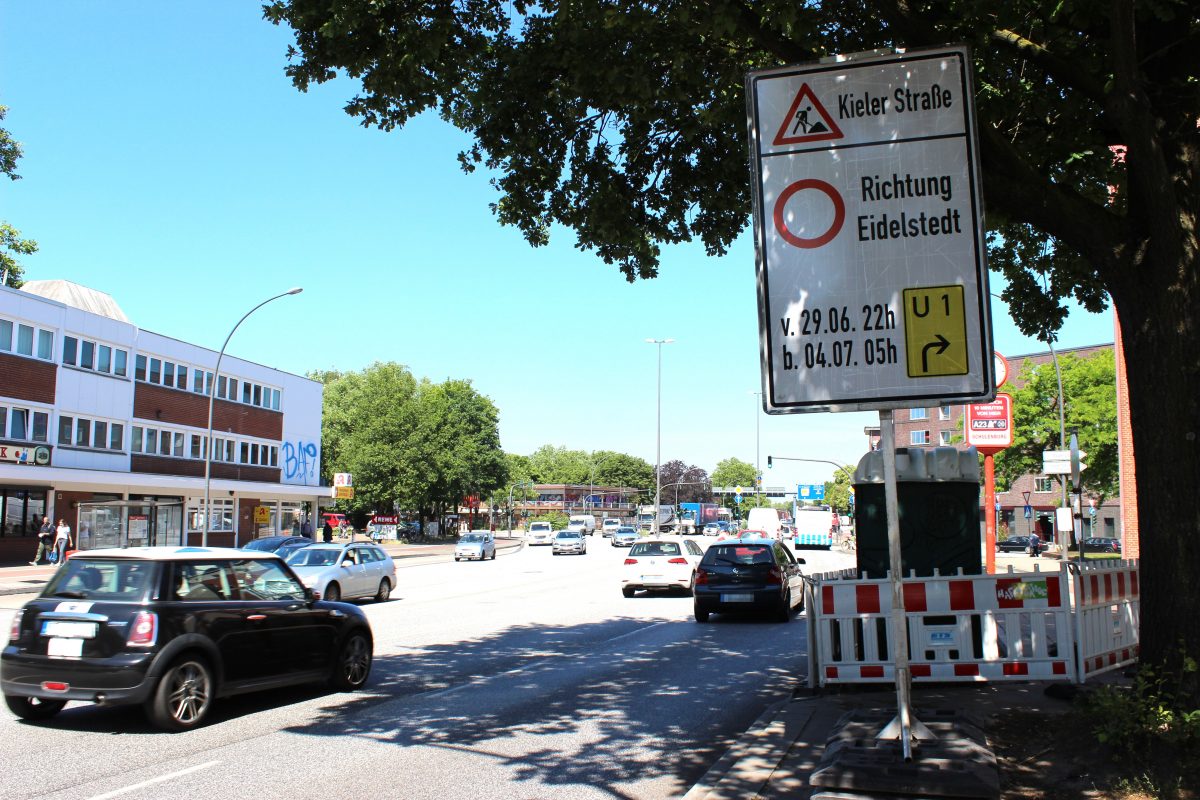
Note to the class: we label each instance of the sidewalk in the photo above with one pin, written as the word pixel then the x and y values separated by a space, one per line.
pixel 24 579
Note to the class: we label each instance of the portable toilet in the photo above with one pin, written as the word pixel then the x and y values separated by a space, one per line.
pixel 938 497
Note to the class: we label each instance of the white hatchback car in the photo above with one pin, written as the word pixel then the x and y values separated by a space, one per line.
pixel 342 571
pixel 475 546
pixel 661 564
pixel 540 533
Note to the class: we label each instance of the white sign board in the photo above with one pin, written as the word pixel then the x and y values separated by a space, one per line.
pixel 872 283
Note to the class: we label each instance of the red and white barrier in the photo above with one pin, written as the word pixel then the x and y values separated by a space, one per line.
pixel 1107 603
pixel 960 628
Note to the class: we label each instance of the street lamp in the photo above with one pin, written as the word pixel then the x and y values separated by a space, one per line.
pixel 212 394
pixel 658 446
pixel 757 449
pixel 843 467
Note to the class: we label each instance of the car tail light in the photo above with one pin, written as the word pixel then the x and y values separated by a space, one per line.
pixel 55 686
pixel 676 560
pixel 14 633
pixel 775 575
pixel 144 630
pixel 629 561
pixel 701 577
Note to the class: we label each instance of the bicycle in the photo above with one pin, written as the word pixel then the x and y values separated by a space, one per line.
pixel 848 543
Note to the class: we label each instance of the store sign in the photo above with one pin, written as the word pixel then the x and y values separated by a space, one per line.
pixel 343 479
pixel 343 492
pixel 262 515
pixel 872 281
pixel 39 455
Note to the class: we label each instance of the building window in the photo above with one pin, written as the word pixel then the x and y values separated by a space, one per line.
pixel 943 412
pixel 5 335
pixel 23 424
pixel 26 335
pixel 41 427
pixel 918 413
pixel 91 355
pixel 919 437
pixel 87 355
pixel 1043 484
pixel 25 340
pixel 120 357
pixel 45 345
pixel 944 437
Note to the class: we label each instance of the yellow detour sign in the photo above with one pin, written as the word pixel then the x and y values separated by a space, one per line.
pixel 343 492
pixel 262 515
pixel 935 331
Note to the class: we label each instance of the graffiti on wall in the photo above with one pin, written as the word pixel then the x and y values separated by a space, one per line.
pixel 300 461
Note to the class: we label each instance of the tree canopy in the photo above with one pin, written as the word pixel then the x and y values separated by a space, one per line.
pixel 626 124
pixel 11 243
pixel 1090 409
pixel 687 482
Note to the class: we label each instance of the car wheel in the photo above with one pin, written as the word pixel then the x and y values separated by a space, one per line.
pixel 456 558
pixel 353 663
pixel 33 708
pixel 385 591
pixel 627 591
pixel 333 592
pixel 493 555
pixel 700 614
pixel 183 696
pixel 784 612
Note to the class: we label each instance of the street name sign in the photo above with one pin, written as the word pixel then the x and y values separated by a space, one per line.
pixel 868 218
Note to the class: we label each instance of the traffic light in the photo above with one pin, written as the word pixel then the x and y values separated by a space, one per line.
pixel 768 462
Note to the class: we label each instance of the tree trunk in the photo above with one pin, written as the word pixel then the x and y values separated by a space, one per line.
pixel 1161 331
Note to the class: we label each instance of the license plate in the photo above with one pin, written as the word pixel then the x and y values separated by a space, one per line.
pixel 65 648
pixel 737 598
pixel 652 579
pixel 69 630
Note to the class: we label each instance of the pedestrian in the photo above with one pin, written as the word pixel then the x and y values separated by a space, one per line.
pixel 306 528
pixel 327 532
pixel 1035 549
pixel 62 541
pixel 45 536
pixel 296 526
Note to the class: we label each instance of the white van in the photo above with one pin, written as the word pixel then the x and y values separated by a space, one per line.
pixel 766 520
pixel 814 528
pixel 540 532
pixel 609 526
pixel 584 523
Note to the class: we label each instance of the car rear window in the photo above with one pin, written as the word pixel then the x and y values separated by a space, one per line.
pixel 654 549
pixel 314 557
pixel 739 554
pixel 102 580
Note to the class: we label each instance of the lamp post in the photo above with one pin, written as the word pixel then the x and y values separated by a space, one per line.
pixel 658 445
pixel 757 448
pixel 212 394
pixel 510 501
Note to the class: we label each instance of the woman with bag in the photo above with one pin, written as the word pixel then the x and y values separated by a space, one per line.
pixel 62 541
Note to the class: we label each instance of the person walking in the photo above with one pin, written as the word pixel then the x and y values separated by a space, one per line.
pixel 1035 548
pixel 45 538
pixel 327 532
pixel 62 541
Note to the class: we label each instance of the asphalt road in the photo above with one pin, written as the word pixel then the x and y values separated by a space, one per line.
pixel 525 677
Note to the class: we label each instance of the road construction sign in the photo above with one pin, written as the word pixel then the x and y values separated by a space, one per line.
pixel 872 281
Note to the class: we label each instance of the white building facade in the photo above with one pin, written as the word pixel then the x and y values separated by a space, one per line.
pixel 105 425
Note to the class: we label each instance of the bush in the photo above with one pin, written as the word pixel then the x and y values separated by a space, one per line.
pixel 1149 726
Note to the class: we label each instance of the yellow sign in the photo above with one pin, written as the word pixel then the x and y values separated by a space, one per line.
pixel 935 331
pixel 262 515
pixel 343 492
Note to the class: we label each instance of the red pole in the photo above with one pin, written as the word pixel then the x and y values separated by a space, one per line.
pixel 989 513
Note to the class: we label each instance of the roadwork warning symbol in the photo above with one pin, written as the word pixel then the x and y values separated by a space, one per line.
pixel 935 331
pixel 806 121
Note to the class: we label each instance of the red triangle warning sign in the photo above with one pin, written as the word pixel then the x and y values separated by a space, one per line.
pixel 802 125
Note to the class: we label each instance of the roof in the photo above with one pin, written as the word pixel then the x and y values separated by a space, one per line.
pixel 172 553
pixel 76 296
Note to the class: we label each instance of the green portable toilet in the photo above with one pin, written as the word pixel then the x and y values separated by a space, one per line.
pixel 938 493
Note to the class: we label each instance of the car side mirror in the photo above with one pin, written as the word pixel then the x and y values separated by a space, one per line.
pixel 801 561
pixel 310 596
pixel 347 563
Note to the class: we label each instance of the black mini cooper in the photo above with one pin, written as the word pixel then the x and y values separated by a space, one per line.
pixel 173 628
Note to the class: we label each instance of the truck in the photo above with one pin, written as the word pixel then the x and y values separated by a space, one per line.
pixel 656 522
pixel 694 516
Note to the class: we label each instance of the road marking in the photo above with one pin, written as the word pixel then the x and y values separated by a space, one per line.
pixel 152 781
pixel 633 632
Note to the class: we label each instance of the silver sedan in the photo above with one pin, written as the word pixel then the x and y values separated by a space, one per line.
pixel 569 542
pixel 624 536
pixel 476 546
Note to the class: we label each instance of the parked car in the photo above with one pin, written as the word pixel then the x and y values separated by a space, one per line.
pixel 609 526
pixel 270 544
pixel 340 571
pixel 569 542
pixel 625 536
pixel 1102 545
pixel 1019 544
pixel 175 628
pixel 286 550
pixel 540 533
pixel 750 573
pixel 476 545
pixel 661 564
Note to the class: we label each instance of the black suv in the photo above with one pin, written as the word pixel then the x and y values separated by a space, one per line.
pixel 748 574
pixel 174 628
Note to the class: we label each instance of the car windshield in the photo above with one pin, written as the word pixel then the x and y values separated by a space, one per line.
pixel 113 580
pixel 655 549
pixel 626 530
pixel 314 557
pixel 568 535
pixel 268 544
pixel 473 538
pixel 740 554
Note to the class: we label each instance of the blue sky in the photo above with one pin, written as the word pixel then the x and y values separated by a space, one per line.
pixel 170 162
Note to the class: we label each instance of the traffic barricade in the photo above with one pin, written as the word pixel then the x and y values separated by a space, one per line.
pixel 1107 609
pixel 961 628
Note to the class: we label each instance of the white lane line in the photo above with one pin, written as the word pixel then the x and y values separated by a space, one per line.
pixel 152 781
pixel 633 632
